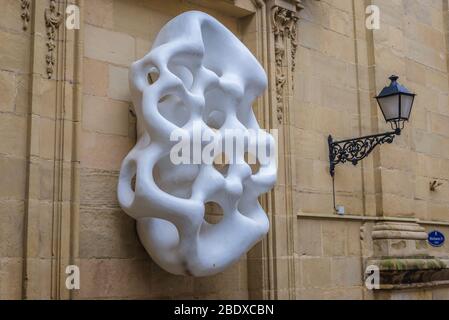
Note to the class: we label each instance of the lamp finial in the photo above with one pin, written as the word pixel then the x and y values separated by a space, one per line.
pixel 393 78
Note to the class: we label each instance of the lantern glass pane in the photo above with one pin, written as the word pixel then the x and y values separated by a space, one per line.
pixel 406 106
pixel 390 107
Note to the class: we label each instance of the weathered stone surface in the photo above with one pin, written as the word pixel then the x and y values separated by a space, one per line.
pixel 316 272
pixel 339 69
pixel 13 134
pixel 11 229
pixel 110 278
pixel 112 232
pixel 7 91
pixel 109 46
pixel 95 81
pixel 102 115
pixel 12 183
pixel 10 277
pixel 308 240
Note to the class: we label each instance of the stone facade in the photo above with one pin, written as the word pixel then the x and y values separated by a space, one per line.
pixel 66 123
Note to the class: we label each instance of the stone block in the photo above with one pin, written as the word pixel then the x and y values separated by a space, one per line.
pixel 316 272
pixel 399 240
pixel 103 151
pixel 334 238
pixel 439 124
pixel 13 134
pixel 338 46
pixel 397 206
pixel 112 231
pixel 12 183
pixel 341 22
pixel 7 91
pixel 39 279
pixel 314 202
pixel 118 88
pixel 99 13
pixel 22 101
pixel 225 281
pixel 9 16
pixel 308 238
pixel 95 77
pixel 107 116
pixel 109 46
pixel 11 229
pixel 354 293
pixel 47 138
pixel 43 95
pixel 142 48
pixel 440 293
pixel 114 278
pixel 15 55
pixel 99 188
pixel 398 182
pixel 130 17
pixel 10 278
pixel 347 272
pixel 354 241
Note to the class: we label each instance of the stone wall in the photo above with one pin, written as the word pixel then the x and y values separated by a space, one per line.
pixel 65 128
pixel 342 66
pixel 14 73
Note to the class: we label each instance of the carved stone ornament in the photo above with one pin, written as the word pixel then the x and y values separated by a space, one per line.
pixel 25 4
pixel 209 80
pixel 284 30
pixel 53 19
pixel 400 252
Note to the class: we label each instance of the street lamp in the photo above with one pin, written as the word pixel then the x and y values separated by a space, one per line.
pixel 395 102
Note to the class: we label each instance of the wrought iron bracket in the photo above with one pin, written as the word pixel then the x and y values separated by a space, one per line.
pixel 354 150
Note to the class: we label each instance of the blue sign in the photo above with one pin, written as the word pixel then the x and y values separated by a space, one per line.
pixel 436 238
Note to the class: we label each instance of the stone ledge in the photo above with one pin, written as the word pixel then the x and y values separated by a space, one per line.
pixel 403 273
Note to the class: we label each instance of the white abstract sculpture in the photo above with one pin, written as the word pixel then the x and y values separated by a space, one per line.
pixel 206 78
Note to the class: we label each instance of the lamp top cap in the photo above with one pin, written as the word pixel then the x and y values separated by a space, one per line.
pixel 393 78
pixel 394 88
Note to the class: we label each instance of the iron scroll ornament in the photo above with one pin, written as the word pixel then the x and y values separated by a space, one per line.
pixel 354 150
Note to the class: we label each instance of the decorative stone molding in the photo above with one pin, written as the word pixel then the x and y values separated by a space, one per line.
pixel 284 29
pixel 50 248
pixel 25 4
pixel 258 3
pixel 396 239
pixel 298 4
pixel 53 19
pixel 400 251
pixel 396 273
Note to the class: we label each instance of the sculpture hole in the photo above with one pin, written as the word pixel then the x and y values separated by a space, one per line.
pixel 176 180
pixel 253 162
pixel 133 183
pixel 153 76
pixel 213 213
pixel 214 119
pixel 221 164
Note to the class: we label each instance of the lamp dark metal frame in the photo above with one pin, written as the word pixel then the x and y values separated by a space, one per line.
pixel 355 150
